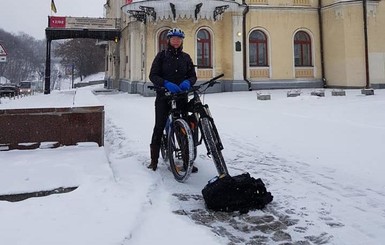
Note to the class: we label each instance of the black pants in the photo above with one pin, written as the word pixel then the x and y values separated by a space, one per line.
pixel 162 109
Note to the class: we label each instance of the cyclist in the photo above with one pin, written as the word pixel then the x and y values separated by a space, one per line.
pixel 172 69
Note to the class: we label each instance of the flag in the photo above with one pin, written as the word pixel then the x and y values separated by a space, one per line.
pixel 53 6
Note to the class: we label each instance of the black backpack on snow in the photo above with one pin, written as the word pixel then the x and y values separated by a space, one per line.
pixel 238 193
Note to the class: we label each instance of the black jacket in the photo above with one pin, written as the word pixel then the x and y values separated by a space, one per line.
pixel 173 65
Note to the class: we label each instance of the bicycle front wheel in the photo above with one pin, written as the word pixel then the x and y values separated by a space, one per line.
pixel 180 150
pixel 212 142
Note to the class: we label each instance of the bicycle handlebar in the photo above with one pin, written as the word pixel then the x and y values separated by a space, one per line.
pixel 210 83
pixel 212 80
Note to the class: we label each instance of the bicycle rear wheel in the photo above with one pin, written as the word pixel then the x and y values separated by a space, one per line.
pixel 164 147
pixel 180 150
pixel 212 143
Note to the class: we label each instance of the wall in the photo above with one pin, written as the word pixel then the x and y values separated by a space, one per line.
pixel 344 45
pixel 66 126
pixel 376 36
pixel 280 25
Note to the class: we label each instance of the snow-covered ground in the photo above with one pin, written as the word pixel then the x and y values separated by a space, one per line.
pixel 321 157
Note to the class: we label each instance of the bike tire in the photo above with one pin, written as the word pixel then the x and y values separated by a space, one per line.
pixel 195 134
pixel 180 150
pixel 164 147
pixel 212 142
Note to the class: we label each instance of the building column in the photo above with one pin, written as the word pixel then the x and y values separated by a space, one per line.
pixel 237 48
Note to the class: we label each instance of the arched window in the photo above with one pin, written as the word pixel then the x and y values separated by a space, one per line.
pixel 204 49
pixel 302 49
pixel 162 42
pixel 258 49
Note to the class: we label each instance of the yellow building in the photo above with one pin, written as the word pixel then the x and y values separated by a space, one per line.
pixel 257 44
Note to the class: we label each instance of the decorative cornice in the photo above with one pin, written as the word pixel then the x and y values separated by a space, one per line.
pixel 178 9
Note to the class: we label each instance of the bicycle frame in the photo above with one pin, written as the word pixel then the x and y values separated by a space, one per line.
pixel 200 110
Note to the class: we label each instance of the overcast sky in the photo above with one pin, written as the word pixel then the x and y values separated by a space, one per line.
pixel 30 16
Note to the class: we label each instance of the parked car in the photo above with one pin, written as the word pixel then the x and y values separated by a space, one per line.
pixel 9 90
pixel 26 87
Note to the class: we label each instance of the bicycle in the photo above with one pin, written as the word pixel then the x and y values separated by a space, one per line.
pixel 181 135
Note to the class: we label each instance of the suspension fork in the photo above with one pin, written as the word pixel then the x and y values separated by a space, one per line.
pixel 204 112
pixel 219 141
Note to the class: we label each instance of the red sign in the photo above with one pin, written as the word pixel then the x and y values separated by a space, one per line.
pixel 57 22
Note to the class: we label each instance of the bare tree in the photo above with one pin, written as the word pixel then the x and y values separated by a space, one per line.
pixel 84 54
pixel 25 57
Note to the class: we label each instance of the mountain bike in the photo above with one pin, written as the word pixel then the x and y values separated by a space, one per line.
pixel 186 128
pixel 177 144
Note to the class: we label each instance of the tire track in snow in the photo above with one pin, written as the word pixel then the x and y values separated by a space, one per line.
pixel 118 148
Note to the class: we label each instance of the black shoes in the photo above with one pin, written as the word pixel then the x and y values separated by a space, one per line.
pixel 154 152
pixel 153 165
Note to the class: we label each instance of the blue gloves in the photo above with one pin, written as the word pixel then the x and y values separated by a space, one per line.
pixel 172 87
pixel 185 85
